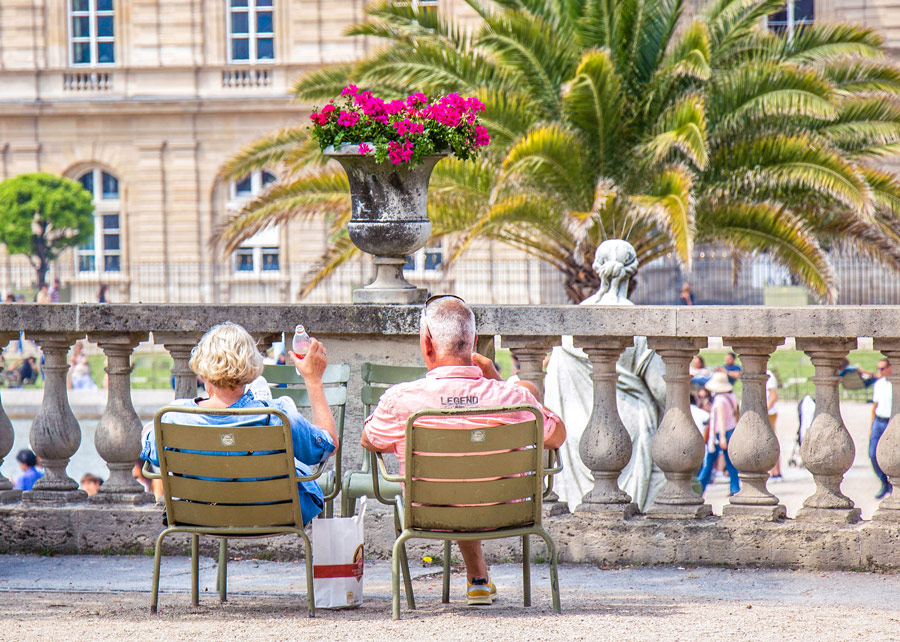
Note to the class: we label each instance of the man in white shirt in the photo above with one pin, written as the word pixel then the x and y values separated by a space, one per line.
pixel 881 414
pixel 772 405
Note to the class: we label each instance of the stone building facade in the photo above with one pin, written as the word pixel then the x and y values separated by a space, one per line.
pixel 143 100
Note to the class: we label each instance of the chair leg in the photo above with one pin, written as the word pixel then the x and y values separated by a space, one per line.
pixel 195 570
pixel 310 590
pixel 398 556
pixel 154 594
pixel 445 588
pixel 526 570
pixel 554 573
pixel 404 566
pixel 222 577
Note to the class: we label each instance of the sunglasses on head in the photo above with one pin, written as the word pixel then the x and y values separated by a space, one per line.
pixel 435 297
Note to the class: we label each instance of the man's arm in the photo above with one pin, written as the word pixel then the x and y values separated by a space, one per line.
pixel 365 443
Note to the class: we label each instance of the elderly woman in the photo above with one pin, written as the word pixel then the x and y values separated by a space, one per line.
pixel 227 359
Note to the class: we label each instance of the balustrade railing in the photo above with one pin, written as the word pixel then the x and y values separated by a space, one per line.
pixel 826 334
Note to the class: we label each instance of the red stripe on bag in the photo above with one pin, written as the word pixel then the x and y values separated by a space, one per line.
pixel 337 570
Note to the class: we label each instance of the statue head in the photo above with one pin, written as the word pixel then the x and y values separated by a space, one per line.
pixel 615 263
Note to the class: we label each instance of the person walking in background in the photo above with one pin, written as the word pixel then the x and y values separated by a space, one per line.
pixel 54 291
pixel 723 418
pixel 732 368
pixel 772 405
pixel 687 295
pixel 90 483
pixel 30 474
pixel 881 414
pixel 43 294
pixel 101 293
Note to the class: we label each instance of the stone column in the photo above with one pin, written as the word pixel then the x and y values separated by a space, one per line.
pixel 889 445
pixel 531 351
pixel 605 445
pixel 7 439
pixel 754 446
pixel 828 450
pixel 179 345
pixel 678 447
pixel 55 434
pixel 118 436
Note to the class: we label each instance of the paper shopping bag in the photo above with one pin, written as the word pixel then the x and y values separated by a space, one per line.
pixel 338 559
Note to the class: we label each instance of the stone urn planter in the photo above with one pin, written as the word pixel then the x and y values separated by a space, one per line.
pixel 389 221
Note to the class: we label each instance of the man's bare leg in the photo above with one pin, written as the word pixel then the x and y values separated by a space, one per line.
pixel 473 558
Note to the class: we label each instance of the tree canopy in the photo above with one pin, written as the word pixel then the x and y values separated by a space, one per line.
pixel 43 214
pixel 620 118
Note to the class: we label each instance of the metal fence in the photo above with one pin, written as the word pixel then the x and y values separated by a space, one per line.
pixel 527 281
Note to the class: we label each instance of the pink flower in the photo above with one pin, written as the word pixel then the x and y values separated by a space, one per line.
pixel 349 90
pixel 394 107
pixel 400 152
pixel 327 109
pixel 319 119
pixel 482 138
pixel 362 98
pixel 415 98
pixel 348 118
pixel 365 148
pixel 474 105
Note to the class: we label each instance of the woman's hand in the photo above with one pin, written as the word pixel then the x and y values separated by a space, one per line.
pixel 312 366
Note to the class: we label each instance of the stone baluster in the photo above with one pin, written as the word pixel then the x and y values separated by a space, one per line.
pixel 55 434
pixel 888 452
pixel 677 446
pixel 605 446
pixel 7 439
pixel 828 449
pixel 118 435
pixel 531 351
pixel 179 345
pixel 754 446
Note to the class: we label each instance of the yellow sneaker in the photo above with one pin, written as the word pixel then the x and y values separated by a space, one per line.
pixel 480 592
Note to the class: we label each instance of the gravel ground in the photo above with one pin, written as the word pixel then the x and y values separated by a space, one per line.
pixel 268 603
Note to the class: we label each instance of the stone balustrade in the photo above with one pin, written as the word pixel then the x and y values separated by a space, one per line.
pixel 358 333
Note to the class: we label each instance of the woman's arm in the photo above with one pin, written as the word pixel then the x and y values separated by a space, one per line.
pixel 311 368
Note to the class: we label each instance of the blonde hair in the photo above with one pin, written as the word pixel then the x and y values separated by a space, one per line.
pixel 227 356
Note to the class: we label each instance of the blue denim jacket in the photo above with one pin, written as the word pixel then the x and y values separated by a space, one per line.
pixel 311 444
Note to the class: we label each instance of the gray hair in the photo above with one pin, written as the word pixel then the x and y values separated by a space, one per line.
pixel 451 324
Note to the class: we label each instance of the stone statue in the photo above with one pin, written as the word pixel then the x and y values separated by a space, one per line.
pixel 640 391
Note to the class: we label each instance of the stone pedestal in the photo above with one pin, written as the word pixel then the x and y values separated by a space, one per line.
pixel 888 451
pixel 389 286
pixel 7 438
pixel 754 447
pixel 605 446
pixel 828 449
pixel 55 434
pixel 678 448
pixel 118 435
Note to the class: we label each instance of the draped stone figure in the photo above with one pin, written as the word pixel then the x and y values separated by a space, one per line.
pixel 640 391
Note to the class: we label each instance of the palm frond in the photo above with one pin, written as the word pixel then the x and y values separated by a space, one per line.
pixel 324 83
pixel 683 128
pixel 856 76
pixel 824 42
pixel 267 152
pixel 669 200
pixel 340 250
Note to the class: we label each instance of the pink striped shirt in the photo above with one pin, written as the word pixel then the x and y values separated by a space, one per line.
pixel 446 387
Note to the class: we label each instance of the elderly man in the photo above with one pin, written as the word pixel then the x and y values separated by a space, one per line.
pixel 882 394
pixel 456 378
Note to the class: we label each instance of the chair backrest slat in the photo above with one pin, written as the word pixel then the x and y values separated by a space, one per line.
pixel 471 466
pixel 300 396
pixel 225 467
pixel 224 438
pixel 473 439
pixel 334 374
pixel 476 492
pixel 379 377
pixel 474 518
pixel 232 492
pixel 465 477
pixel 217 515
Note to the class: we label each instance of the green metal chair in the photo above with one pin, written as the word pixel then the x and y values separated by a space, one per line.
pixel 286 382
pixel 448 497
pixel 251 493
pixel 376 379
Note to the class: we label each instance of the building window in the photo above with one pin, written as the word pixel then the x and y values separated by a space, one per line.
pixel 92 33
pixel 103 253
pixel 426 260
pixel 261 253
pixel 796 15
pixel 251 31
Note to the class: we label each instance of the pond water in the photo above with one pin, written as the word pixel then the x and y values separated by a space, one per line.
pixel 86 460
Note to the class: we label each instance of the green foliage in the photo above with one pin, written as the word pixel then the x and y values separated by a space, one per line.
pixel 41 215
pixel 607 120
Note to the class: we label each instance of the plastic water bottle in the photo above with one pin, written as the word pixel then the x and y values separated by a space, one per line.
pixel 300 344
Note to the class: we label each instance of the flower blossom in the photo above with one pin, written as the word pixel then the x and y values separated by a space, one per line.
pixel 400 152
pixel 482 138
pixel 415 98
pixel 348 118
pixel 327 109
pixel 364 148
pixel 349 90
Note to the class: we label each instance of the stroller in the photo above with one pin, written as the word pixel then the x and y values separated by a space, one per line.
pixel 806 409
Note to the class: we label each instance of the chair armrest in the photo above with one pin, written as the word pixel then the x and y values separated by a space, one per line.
pixel 149 474
pixel 315 474
pixel 379 470
pixel 554 462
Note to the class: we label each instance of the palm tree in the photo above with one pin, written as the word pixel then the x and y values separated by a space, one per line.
pixel 620 118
